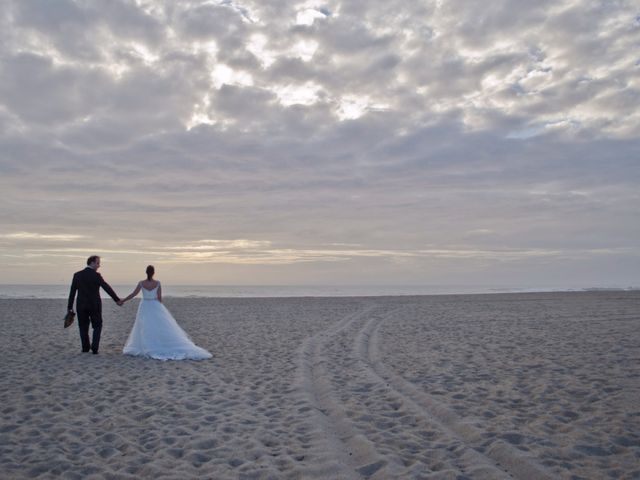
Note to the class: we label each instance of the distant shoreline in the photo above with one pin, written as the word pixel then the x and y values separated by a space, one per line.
pixel 52 292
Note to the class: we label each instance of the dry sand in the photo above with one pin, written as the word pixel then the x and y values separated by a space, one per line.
pixel 525 386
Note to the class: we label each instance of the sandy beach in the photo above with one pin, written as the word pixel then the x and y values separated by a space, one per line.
pixel 523 386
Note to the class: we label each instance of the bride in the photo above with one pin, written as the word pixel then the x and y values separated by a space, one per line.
pixel 155 332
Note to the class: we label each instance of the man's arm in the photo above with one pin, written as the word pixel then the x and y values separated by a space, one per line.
pixel 108 289
pixel 72 293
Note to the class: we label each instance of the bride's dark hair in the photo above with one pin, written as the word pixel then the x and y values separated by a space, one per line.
pixel 150 272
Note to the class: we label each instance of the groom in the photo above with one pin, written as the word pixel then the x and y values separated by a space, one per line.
pixel 87 283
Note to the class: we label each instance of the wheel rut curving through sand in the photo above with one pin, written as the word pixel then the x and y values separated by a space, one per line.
pixel 497 458
pixel 369 429
pixel 377 425
pixel 350 455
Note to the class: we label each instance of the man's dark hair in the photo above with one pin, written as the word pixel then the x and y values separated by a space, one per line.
pixel 92 259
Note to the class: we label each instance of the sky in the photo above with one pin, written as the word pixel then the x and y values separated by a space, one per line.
pixel 331 143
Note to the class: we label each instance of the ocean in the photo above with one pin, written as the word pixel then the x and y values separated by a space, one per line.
pixel 260 291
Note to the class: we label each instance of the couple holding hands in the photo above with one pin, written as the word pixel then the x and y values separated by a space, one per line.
pixel 155 332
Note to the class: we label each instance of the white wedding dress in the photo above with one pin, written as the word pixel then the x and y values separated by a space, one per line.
pixel 156 333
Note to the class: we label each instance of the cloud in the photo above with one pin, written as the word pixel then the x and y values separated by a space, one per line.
pixel 463 131
pixel 264 252
pixel 40 236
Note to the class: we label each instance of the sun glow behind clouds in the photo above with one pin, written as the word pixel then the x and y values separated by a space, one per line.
pixel 247 251
pixel 144 53
pixel 41 236
pixel 224 75
pixel 304 49
pixel 257 45
pixel 306 94
pixel 352 107
pixel 308 16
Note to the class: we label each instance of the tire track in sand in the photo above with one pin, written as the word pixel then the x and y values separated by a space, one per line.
pixel 355 457
pixel 438 448
pixel 498 453
pixel 357 414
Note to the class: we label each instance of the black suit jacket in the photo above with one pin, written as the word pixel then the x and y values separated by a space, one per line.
pixel 87 283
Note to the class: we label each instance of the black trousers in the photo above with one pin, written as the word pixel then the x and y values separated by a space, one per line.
pixel 93 318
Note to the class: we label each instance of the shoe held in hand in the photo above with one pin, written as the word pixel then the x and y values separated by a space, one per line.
pixel 69 318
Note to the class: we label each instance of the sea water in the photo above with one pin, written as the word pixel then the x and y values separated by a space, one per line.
pixel 208 291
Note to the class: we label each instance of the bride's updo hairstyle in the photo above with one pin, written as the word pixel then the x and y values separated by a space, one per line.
pixel 150 272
